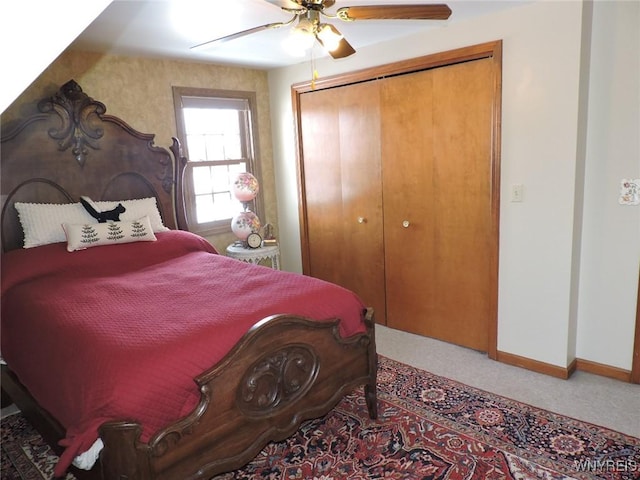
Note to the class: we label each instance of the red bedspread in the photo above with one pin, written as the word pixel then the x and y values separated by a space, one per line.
pixel 121 331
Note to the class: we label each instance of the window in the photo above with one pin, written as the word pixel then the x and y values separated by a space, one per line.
pixel 216 129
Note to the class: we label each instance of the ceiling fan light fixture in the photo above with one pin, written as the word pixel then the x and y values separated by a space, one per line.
pixel 300 38
pixel 304 26
pixel 329 36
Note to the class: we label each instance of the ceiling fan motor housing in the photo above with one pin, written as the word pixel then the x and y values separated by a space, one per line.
pixel 316 4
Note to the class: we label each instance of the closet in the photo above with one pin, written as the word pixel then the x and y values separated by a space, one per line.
pixel 398 179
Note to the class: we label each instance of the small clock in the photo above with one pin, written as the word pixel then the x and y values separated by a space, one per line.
pixel 254 240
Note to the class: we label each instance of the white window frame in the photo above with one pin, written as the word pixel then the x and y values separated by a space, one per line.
pixel 188 96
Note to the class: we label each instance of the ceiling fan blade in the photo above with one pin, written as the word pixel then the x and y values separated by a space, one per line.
pixel 344 48
pixel 243 33
pixel 395 12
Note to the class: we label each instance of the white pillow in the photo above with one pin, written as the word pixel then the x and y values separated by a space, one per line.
pixel 136 209
pixel 42 222
pixel 80 237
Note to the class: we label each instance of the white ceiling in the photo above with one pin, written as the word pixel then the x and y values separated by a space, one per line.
pixel 168 28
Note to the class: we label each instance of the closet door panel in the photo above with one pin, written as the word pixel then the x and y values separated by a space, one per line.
pixel 462 198
pixel 407 145
pixel 323 181
pixel 436 144
pixel 342 181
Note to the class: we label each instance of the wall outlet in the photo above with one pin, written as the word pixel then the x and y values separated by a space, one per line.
pixel 516 192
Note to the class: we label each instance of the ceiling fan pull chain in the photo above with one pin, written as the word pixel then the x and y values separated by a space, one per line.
pixel 314 72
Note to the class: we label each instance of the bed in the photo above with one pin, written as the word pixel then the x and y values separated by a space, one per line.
pixel 133 346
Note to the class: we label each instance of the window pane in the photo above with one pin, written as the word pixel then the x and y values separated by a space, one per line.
pixel 205 211
pixel 213 134
pixel 212 188
pixel 221 179
pixel 233 146
pixel 226 206
pixel 235 169
pixel 195 120
pixel 215 147
pixel 197 148
pixel 218 206
pixel 202 181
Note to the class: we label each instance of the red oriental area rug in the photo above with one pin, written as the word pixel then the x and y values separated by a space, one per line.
pixel 429 427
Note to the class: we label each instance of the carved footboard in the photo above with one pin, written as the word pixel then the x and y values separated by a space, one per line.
pixel 284 371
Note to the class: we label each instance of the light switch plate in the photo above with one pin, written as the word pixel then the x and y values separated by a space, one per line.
pixel 516 192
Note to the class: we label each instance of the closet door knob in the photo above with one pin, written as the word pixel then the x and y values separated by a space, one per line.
pixel 362 220
pixel 406 224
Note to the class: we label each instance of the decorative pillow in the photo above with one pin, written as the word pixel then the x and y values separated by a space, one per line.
pixel 41 222
pixel 80 237
pixel 135 209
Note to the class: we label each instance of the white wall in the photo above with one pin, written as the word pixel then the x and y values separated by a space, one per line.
pixel 34 33
pixel 540 149
pixel 611 233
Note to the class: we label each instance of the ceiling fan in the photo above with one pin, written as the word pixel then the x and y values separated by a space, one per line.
pixel 309 26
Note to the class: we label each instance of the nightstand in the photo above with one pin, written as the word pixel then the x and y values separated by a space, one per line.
pixel 255 255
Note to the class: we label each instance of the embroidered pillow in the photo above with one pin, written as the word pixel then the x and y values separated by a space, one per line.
pixel 82 236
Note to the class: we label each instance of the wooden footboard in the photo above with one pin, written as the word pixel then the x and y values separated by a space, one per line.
pixel 285 370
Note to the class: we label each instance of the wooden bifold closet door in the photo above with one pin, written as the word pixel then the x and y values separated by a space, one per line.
pixel 396 183
pixel 343 190
pixel 436 146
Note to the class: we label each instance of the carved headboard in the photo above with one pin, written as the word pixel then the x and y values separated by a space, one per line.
pixel 72 148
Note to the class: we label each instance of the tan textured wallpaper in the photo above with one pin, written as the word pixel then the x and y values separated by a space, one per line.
pixel 138 90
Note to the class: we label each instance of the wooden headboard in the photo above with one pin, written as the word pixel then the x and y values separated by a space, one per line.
pixel 72 148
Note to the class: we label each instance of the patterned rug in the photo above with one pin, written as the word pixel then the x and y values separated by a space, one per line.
pixel 429 427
